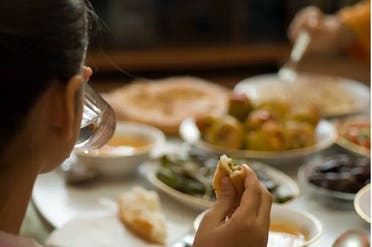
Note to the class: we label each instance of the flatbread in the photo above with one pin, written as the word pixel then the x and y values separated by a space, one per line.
pixel 166 103
pixel 226 167
pixel 140 211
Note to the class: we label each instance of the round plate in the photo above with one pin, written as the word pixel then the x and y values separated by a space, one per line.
pixel 149 169
pixel 362 203
pixel 304 172
pixel 325 137
pixel 345 143
pixel 352 97
pixel 59 203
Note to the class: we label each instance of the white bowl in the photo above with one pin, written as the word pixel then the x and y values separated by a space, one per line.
pixel 325 134
pixel 121 160
pixel 310 225
pixel 362 203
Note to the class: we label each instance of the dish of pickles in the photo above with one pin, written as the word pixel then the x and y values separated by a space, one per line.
pixel 187 177
pixel 272 128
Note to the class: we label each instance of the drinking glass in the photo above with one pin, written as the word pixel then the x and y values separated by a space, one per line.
pixel 98 122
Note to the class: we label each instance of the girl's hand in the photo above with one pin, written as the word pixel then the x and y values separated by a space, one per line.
pixel 247 225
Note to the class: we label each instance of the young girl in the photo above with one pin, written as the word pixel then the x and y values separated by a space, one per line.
pixel 43 46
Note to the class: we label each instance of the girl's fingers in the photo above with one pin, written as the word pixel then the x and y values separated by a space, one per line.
pixel 224 205
pixel 251 199
pixel 265 208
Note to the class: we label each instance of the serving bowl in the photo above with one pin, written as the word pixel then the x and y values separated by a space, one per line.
pixel 335 96
pixel 131 144
pixel 325 136
pixel 309 224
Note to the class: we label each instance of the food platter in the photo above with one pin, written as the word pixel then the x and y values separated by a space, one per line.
pixel 149 171
pixel 362 203
pixel 335 96
pixel 325 137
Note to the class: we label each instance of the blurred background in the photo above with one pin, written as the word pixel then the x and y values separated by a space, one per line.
pixel 224 40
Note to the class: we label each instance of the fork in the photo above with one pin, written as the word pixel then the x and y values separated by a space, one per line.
pixel 287 72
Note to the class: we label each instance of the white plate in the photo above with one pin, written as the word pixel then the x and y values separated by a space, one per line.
pixel 358 94
pixel 95 232
pixel 362 203
pixel 59 203
pixel 149 169
pixel 325 137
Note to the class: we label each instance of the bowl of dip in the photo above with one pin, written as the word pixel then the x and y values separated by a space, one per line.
pixel 288 227
pixel 131 144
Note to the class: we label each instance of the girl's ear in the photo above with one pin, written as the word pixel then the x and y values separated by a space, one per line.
pixel 87 72
pixel 73 89
pixel 64 116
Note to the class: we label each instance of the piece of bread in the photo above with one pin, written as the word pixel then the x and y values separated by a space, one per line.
pixel 236 174
pixel 140 211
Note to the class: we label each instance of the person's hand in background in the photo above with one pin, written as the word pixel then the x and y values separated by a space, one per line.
pixel 249 222
pixel 328 33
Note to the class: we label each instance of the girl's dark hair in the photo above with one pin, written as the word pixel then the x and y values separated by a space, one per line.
pixel 40 41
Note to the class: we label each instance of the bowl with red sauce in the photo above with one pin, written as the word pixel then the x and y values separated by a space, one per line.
pixel 354 135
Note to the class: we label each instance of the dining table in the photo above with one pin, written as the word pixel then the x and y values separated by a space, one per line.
pixel 336 216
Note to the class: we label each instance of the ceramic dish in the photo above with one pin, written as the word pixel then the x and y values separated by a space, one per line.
pixel 325 137
pixel 287 216
pixel 333 95
pixel 362 203
pixel 123 158
pixel 306 170
pixel 149 169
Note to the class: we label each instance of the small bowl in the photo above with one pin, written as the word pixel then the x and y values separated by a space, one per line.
pixel 310 225
pixel 122 160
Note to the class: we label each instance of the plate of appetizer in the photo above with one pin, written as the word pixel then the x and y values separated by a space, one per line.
pixel 268 130
pixel 354 135
pixel 338 176
pixel 334 96
pixel 187 177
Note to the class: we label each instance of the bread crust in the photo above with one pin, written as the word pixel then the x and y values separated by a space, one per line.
pixel 140 212
pixel 236 174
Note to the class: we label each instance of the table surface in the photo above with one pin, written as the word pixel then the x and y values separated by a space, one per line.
pixel 335 216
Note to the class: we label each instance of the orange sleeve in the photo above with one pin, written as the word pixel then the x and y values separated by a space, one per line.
pixel 357 19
